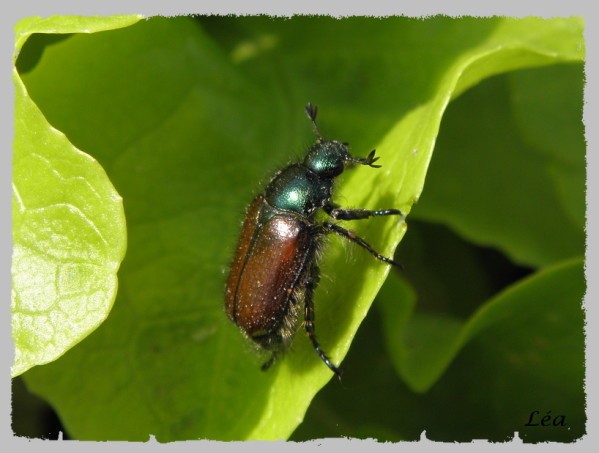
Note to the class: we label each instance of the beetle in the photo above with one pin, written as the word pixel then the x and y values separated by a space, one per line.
pixel 275 271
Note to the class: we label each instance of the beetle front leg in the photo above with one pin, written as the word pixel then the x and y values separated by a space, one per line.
pixel 338 213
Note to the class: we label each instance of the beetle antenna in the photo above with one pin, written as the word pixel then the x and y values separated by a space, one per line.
pixel 312 111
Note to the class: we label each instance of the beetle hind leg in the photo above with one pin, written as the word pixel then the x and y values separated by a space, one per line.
pixel 309 322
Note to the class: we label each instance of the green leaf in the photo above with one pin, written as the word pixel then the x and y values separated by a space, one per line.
pixel 423 347
pixel 29 26
pixel 547 108
pixel 187 121
pixel 510 162
pixel 68 228
pixel 531 335
pixel 525 353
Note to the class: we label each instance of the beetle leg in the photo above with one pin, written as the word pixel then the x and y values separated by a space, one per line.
pixel 266 365
pixel 309 320
pixel 351 235
pixel 338 213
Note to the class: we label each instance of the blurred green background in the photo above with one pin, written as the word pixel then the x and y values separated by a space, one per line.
pixel 188 116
